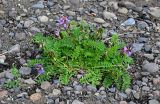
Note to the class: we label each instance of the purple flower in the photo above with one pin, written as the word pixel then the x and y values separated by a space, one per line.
pixel 39 68
pixel 127 51
pixel 63 21
pixel 41 71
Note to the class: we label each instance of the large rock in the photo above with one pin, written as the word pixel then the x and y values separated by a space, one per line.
pixel 123 10
pixel 154 102
pixel 137 47
pixel 29 81
pixel 38 5
pixel 28 23
pixel 15 48
pixel 151 67
pixel 25 70
pixel 3 94
pixel 36 97
pixel 71 13
pixel 43 19
pixel 45 85
pixel 99 20
pixel 55 93
pixel 155 12
pixel 77 102
pixel 109 16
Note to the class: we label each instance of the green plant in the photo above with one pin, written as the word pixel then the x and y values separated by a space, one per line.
pixel 13 83
pixel 79 47
pixel 15 72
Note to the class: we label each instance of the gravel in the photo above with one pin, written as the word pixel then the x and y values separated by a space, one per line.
pixel 21 19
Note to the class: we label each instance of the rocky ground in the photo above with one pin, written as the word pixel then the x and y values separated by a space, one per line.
pixel 137 21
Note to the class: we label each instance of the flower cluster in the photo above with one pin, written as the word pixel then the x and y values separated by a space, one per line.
pixel 127 51
pixel 63 21
pixel 39 68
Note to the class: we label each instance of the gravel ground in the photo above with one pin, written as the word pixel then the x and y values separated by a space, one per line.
pixel 21 19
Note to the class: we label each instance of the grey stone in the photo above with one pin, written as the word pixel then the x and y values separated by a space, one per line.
pixel 11 34
pixel 2 13
pixel 25 70
pixel 131 102
pixel 99 20
pixel 149 56
pixel 129 5
pixel 137 95
pixel 142 25
pixel 71 13
pixel 113 4
pixel 50 3
pixel 158 44
pixel 128 22
pixel 123 95
pixel 122 102
pixel 65 7
pixel 22 61
pixel 77 102
pixel 28 23
pixel 67 88
pixel 147 48
pixel 151 67
pixel 145 88
pixel 3 22
pixel 45 85
pixel 57 82
pixel 155 12
pixel 22 94
pixel 15 48
pixel 137 47
pixel 91 88
pixel 76 3
pixel 94 10
pixel 20 36
pixel 156 81
pixel 39 5
pixel 144 79
pixel 50 101
pixel 1 27
pixel 78 88
pixel 55 93
pixel 128 91
pixel 43 19
pixel 13 13
pixel 103 3
pixel 29 81
pixel 2 58
pixel 35 29
pixel 154 101
pixel 142 39
pixel 3 94
pixel 123 10
pixel 2 81
pixel 9 75
pixel 109 16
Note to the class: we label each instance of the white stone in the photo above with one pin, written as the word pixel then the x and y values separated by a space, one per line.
pixel 43 19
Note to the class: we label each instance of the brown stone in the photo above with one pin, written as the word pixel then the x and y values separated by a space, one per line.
pixel 3 94
pixel 36 97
